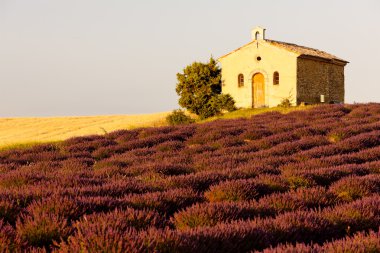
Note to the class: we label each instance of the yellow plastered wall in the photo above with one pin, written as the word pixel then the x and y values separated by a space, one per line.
pixel 244 61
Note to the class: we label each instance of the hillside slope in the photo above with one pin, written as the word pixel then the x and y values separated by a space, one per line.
pixel 24 130
pixel 262 183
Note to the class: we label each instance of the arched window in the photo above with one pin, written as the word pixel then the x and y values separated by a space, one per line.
pixel 240 80
pixel 276 78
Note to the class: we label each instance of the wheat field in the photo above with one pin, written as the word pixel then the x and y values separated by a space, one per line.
pixel 19 132
pixel 24 131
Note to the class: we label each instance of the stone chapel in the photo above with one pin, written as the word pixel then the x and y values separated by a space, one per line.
pixel 264 72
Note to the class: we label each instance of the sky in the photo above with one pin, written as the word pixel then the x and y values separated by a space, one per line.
pixel 97 57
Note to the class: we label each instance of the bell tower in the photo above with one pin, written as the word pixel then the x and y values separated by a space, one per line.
pixel 258 33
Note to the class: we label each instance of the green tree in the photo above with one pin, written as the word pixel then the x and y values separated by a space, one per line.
pixel 199 88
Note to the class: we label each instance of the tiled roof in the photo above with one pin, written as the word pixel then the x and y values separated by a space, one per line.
pixel 303 51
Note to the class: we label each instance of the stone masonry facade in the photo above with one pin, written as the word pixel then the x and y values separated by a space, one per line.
pixel 316 78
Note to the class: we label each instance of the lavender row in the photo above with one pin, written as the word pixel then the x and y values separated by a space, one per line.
pixel 241 236
pixel 360 242
pixel 209 214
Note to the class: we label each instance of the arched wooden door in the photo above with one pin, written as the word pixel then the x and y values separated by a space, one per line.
pixel 258 90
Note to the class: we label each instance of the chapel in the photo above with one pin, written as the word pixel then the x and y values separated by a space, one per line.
pixel 264 72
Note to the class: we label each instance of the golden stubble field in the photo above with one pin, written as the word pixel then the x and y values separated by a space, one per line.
pixel 25 131
pixel 20 132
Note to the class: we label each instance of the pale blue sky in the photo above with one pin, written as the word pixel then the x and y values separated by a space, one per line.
pixel 89 57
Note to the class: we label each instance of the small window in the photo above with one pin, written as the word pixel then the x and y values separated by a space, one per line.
pixel 240 80
pixel 276 78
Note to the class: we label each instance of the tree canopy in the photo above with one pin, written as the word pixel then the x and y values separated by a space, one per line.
pixel 199 88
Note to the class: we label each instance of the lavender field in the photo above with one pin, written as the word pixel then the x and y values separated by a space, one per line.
pixel 306 181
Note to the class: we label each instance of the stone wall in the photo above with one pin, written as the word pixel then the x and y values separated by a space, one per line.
pixel 316 78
